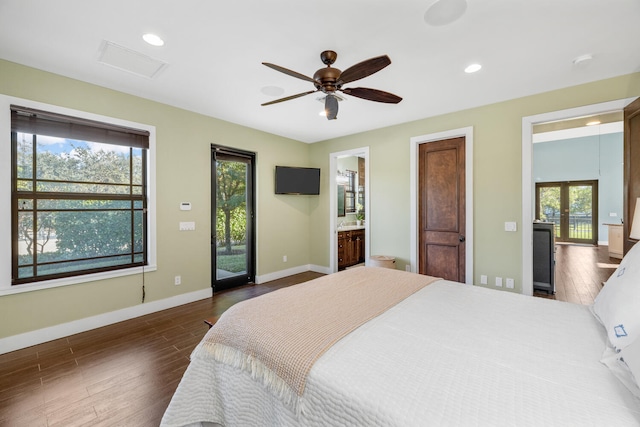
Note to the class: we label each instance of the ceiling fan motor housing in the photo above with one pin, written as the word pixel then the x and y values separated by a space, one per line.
pixel 327 79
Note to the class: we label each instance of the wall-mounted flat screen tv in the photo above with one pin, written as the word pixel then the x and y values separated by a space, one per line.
pixel 294 180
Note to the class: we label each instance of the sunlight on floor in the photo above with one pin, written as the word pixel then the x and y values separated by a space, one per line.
pixel 605 265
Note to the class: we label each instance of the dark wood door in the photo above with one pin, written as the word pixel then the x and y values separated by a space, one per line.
pixel 441 201
pixel 631 167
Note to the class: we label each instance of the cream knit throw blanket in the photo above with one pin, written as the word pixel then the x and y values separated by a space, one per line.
pixel 278 336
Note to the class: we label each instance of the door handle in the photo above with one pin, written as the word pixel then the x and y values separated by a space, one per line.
pixel 461 238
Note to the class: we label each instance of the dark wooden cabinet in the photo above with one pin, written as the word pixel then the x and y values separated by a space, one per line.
pixel 342 262
pixel 544 257
pixel 350 248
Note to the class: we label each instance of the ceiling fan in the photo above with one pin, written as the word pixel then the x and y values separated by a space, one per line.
pixel 329 80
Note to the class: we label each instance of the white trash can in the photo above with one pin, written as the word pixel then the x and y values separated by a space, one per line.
pixel 382 261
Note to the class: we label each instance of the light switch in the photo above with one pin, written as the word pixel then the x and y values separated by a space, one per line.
pixel 187 226
pixel 510 226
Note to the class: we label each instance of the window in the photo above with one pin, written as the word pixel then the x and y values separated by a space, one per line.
pixel 350 192
pixel 79 196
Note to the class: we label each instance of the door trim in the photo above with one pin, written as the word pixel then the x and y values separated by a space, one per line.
pixel 333 204
pixel 528 187
pixel 631 179
pixel 414 143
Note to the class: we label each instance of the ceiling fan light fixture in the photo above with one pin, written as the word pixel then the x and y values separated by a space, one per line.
pixel 153 39
pixel 331 107
pixel 472 68
pixel 444 12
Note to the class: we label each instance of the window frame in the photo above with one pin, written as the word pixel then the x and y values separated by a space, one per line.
pixel 350 192
pixel 6 183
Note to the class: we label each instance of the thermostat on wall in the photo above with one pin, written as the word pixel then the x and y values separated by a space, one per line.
pixel 185 206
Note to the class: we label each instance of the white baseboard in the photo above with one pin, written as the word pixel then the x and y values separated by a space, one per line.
pixel 320 269
pixel 50 333
pixel 291 271
pixel 27 339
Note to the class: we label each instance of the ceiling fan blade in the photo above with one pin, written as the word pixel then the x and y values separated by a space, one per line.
pixel 363 69
pixel 331 107
pixel 288 98
pixel 289 72
pixel 372 95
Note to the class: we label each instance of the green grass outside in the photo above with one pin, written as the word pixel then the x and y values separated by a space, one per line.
pixel 235 263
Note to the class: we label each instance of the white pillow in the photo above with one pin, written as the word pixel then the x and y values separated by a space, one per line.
pixel 621 369
pixel 631 357
pixel 617 306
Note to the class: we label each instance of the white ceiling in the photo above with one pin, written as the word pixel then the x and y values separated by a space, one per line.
pixel 214 51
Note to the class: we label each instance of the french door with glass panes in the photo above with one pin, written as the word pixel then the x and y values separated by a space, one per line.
pixel 233 219
pixel 572 206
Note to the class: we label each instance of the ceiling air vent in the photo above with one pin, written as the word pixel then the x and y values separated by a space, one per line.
pixel 124 59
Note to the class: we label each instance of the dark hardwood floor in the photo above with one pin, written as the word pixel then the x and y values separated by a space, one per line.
pixel 123 374
pixel 580 272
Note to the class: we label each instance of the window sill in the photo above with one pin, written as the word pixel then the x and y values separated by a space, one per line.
pixel 49 284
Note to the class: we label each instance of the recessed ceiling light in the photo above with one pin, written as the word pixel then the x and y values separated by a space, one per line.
pixel 472 68
pixel 443 12
pixel 153 40
pixel 593 123
pixel 582 60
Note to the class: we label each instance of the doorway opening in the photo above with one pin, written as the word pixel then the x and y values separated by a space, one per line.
pixel 560 121
pixel 349 200
pixel 233 220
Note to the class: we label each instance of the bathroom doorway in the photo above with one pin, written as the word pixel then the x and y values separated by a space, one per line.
pixel 349 205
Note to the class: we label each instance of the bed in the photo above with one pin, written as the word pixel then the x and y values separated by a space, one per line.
pixel 444 354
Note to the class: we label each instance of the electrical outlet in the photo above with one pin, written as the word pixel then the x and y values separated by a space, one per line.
pixel 177 280
pixel 407 267
pixel 499 281
pixel 483 279
pixel 510 283
pixel 284 258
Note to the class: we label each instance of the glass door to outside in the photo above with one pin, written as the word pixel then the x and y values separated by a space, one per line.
pixel 572 206
pixel 232 236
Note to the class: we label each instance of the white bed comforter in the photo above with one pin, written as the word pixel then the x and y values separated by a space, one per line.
pixel 450 355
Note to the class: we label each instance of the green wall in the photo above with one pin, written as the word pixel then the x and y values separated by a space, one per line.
pixel 288 225
pixel 497 175
pixel 183 174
